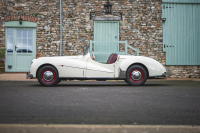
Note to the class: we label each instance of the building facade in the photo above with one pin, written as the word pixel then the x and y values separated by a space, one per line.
pixel 31 29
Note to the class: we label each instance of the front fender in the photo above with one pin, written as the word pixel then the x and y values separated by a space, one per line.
pixel 154 67
pixel 37 63
pixel 71 66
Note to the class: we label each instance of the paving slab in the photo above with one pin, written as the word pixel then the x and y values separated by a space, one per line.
pixel 15 77
pixel 19 128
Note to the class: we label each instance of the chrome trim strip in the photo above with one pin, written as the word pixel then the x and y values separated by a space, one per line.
pixel 86 69
pixel 100 71
pixel 72 66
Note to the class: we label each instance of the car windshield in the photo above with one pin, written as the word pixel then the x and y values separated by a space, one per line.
pixel 86 49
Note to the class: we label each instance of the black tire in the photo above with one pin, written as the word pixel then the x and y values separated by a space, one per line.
pixel 136 75
pixel 47 76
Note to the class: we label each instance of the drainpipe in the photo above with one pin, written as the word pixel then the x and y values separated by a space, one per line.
pixel 60 27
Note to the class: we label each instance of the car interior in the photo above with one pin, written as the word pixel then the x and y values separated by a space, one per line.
pixel 112 58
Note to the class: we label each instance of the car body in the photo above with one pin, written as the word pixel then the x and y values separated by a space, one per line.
pixel 133 69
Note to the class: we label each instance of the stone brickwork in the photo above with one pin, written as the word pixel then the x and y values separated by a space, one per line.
pixel 184 71
pixel 141 27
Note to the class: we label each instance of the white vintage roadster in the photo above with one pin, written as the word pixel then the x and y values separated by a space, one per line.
pixel 133 69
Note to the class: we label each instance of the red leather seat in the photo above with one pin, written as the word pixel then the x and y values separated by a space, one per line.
pixel 112 58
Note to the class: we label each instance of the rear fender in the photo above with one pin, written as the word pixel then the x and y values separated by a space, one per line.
pixel 152 66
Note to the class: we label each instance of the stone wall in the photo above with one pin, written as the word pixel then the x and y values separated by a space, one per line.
pixel 47 13
pixel 141 26
pixel 184 71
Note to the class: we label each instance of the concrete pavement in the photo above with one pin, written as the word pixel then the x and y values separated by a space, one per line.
pixel 38 128
pixel 60 128
pixel 15 77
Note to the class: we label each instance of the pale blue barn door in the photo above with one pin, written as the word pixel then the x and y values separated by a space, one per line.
pixel 106 34
pixel 181 31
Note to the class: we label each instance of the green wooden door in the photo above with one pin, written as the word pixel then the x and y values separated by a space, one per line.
pixel 21 49
pixel 181 31
pixel 106 34
pixel 24 48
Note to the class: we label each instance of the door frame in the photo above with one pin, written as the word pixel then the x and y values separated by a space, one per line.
pixel 10 58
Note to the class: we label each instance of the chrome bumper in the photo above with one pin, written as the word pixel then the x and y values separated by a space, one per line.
pixel 163 76
pixel 28 75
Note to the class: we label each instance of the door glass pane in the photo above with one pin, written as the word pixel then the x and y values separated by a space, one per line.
pixel 24 41
pixel 9 32
pixel 30 49
pixel 9 44
pixel 24 33
pixel 9 40
pixel 30 45
pixel 19 32
pixel 30 42
pixel 30 34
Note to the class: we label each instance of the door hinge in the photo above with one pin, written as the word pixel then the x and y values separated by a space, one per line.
pixel 163 19
pixel 163 7
pixel 168 46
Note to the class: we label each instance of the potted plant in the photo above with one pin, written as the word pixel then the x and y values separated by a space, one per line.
pixel 2 60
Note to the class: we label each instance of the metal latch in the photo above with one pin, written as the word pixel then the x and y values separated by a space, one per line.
pixel 163 19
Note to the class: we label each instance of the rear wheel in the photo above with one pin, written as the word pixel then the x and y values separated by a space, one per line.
pixel 47 76
pixel 136 75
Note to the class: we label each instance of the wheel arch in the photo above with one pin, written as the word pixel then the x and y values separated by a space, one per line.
pixel 47 64
pixel 140 65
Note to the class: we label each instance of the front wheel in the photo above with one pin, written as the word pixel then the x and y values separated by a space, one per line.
pixel 47 76
pixel 136 75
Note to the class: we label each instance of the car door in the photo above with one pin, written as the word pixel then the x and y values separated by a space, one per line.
pixel 72 67
pixel 99 70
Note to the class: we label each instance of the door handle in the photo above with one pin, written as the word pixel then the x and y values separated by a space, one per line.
pixel 16 48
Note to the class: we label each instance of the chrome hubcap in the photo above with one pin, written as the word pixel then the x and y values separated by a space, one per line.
pixel 136 75
pixel 48 76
